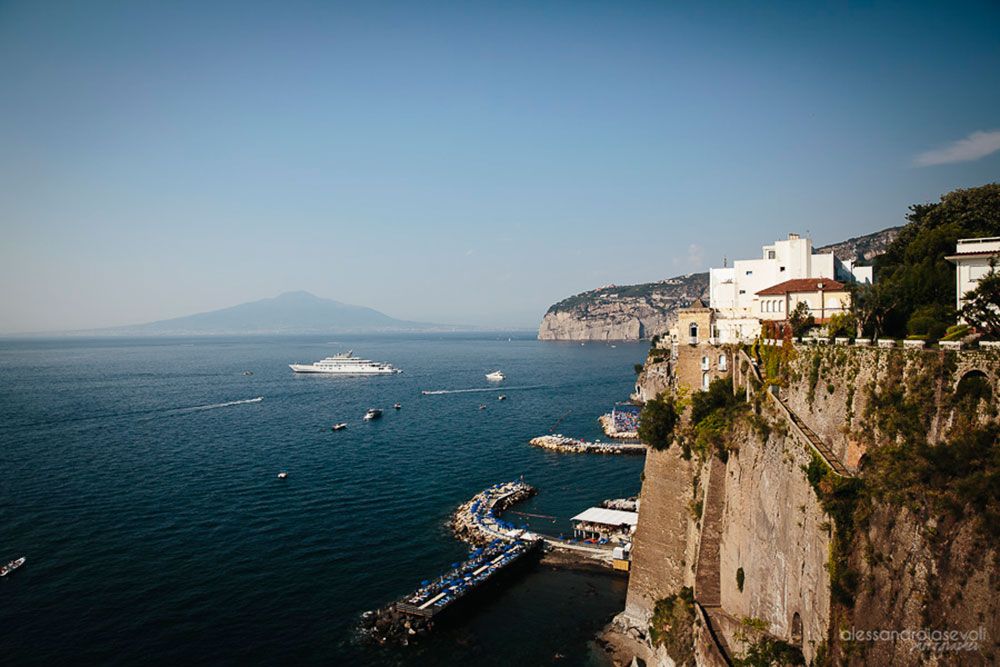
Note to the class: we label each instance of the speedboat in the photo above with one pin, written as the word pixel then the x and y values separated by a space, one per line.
pixel 248 373
pixel 502 397
pixel 495 376
pixel 397 406
pixel 11 566
pixel 373 413
pixel 338 427
pixel 282 475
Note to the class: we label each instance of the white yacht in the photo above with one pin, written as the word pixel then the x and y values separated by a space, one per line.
pixel 496 376
pixel 346 364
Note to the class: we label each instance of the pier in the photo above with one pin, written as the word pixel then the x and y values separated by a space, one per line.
pixel 500 546
pixel 565 444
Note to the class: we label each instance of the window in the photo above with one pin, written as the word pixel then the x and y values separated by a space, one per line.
pixel 693 330
pixel 977 272
pixel 743 291
pixel 749 273
pixel 770 254
pixel 706 379
pixel 781 268
pixel 723 362
pixel 781 306
pixel 705 363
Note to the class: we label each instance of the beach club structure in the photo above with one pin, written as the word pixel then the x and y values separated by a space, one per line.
pixel 604 525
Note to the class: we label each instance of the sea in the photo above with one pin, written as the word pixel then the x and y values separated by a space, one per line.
pixel 139 478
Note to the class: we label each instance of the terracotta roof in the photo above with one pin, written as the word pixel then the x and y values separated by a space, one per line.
pixel 802 285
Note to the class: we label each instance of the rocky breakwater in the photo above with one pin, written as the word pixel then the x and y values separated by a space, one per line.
pixel 478 520
pixel 621 312
pixel 567 445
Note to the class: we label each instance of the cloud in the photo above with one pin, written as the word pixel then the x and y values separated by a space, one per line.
pixel 973 147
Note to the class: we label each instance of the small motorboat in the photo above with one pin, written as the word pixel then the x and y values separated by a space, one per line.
pixel 282 475
pixel 247 372
pixel 482 407
pixel 373 413
pixel 338 427
pixel 397 406
pixel 502 397
pixel 495 376
pixel 11 566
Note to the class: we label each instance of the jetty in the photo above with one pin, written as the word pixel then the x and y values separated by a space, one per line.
pixel 566 444
pixel 500 546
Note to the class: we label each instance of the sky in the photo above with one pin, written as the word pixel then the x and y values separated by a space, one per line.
pixel 461 162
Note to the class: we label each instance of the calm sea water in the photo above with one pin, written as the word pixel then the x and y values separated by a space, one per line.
pixel 145 496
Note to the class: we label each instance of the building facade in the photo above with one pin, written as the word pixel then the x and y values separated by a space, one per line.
pixel 698 356
pixel 972 260
pixel 733 291
pixel 822 296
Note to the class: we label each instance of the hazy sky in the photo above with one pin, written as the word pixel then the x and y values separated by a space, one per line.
pixel 460 162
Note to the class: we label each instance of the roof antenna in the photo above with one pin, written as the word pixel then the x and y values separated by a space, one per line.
pixel 725 261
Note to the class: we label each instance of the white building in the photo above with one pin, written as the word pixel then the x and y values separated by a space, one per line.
pixel 733 290
pixel 972 261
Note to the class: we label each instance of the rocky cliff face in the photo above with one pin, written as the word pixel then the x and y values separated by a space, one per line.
pixel 634 312
pixel 628 312
pixel 908 543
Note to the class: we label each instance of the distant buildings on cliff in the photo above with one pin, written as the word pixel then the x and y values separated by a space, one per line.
pixel 770 287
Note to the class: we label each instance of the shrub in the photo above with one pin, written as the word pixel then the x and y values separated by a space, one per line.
pixel 657 421
pixel 671 626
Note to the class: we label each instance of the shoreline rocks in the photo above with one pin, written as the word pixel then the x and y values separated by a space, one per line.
pixel 608 426
pixel 566 445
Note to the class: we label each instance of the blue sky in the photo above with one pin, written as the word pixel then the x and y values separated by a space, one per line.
pixel 460 162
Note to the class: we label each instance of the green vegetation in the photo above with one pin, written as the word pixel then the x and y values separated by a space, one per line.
pixel 762 649
pixel 801 319
pixel 956 332
pixel 657 420
pixel 712 414
pixel 841 325
pixel 672 626
pixel 839 498
pixel 637 368
pixel 914 291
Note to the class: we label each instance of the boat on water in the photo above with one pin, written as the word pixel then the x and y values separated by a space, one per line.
pixel 482 406
pixel 346 364
pixel 502 397
pixel 247 373
pixel 373 413
pixel 338 427
pixel 397 406
pixel 11 566
pixel 282 475
pixel 495 376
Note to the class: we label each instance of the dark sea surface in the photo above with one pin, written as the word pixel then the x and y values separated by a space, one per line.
pixel 142 488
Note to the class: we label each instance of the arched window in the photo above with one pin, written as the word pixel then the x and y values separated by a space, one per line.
pixel 705 363
pixel 723 362
pixel 693 330
pixel 706 379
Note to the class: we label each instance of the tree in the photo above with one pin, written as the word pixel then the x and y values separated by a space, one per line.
pixel 801 319
pixel 657 421
pixel 871 305
pixel 913 273
pixel 982 305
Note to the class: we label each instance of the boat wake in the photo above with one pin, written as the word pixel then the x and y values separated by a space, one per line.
pixel 213 406
pixel 438 392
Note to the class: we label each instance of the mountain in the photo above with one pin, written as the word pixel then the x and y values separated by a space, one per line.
pixel 634 312
pixel 291 312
